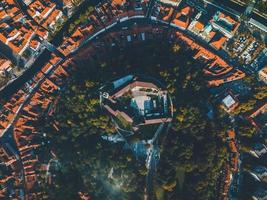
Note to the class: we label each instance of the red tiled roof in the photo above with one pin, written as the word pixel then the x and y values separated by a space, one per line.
pixel 219 43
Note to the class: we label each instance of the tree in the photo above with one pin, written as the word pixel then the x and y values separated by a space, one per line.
pixel 246 129
pixel 176 48
pixel 245 107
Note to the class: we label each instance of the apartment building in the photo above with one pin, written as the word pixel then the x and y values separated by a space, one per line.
pixel 17 32
pixel 45 13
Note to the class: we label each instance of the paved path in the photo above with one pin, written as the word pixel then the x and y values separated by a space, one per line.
pixel 153 159
pixel 52 48
pixel 150 8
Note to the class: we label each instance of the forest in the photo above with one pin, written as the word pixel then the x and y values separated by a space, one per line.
pixel 192 153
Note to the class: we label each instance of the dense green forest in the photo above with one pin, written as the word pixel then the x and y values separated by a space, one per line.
pixel 192 153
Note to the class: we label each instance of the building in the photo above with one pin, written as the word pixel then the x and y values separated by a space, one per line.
pixel 258 25
pixel 171 2
pixel 260 194
pixel 181 18
pixel 17 30
pixel 5 67
pixel 259 117
pixel 67 6
pixel 45 13
pixel 133 101
pixel 225 24
pixel 229 103
pixel 263 75
pixel 218 41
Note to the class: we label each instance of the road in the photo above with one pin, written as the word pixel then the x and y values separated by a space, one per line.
pixel 233 12
pixel 143 21
pixel 26 100
pixel 241 8
pixel 26 76
pixel 151 173
pixel 152 161
pixel 150 8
